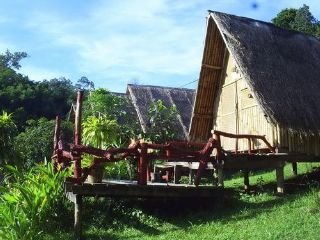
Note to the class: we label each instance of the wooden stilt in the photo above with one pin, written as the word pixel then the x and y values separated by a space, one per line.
pixel 143 165
pixel 220 177
pixel 246 180
pixel 280 180
pixel 77 217
pixel 190 176
pixel 294 169
pixel 177 173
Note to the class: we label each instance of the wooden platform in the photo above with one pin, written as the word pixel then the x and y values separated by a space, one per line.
pixel 113 188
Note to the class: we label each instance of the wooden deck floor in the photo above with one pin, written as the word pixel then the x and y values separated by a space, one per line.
pixel 113 188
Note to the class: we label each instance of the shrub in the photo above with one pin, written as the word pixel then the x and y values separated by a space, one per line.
pixel 35 143
pixel 8 131
pixel 28 201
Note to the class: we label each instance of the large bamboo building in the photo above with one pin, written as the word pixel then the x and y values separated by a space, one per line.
pixel 257 78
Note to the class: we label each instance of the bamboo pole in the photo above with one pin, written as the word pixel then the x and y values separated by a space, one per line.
pixel 77 134
pixel 56 138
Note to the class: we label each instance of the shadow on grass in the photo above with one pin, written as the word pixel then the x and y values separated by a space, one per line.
pixel 147 216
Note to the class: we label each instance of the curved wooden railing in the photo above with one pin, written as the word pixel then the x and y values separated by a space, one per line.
pixel 250 138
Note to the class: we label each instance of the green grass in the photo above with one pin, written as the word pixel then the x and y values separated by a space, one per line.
pixel 261 214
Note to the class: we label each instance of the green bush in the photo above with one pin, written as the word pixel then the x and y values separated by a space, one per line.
pixel 29 201
pixel 36 142
pixel 8 131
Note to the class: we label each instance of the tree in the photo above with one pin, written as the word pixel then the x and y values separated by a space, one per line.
pixel 101 102
pixel 285 18
pixel 8 131
pixel 162 122
pixel 300 20
pixel 12 60
pixel 28 99
pixel 304 21
pixel 36 142
pixel 54 96
pixel 84 84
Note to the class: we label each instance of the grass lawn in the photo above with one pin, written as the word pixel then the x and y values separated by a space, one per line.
pixel 257 215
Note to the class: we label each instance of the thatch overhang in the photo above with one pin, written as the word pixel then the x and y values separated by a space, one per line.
pixel 280 66
pixel 142 97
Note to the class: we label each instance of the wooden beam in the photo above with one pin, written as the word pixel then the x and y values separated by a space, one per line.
pixel 211 66
pixel 202 115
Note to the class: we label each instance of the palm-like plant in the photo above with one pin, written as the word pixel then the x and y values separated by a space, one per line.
pixel 100 132
pixel 8 131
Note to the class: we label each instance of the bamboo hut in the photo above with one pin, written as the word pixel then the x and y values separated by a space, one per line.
pixel 142 96
pixel 257 78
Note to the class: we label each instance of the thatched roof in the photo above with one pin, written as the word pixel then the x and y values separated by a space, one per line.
pixel 282 68
pixel 142 96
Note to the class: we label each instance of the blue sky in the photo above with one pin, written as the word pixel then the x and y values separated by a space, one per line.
pixel 115 42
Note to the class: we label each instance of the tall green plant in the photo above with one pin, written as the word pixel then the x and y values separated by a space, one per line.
pixel 29 200
pixel 101 102
pixel 8 131
pixel 162 122
pixel 35 143
pixel 100 132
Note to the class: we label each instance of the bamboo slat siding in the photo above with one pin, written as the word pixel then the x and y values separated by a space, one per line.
pixel 238 111
pixel 208 85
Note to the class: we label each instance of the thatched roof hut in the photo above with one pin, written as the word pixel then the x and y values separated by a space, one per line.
pixel 250 64
pixel 143 95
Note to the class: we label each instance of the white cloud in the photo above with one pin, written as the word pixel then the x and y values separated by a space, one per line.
pixel 39 74
pixel 133 38
pixel 121 34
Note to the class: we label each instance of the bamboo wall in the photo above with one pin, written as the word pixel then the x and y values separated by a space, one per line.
pixel 238 112
pixel 300 143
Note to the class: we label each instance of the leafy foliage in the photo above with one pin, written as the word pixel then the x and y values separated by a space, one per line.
pixel 36 142
pixel 100 132
pixel 113 107
pixel 8 131
pixel 12 60
pixel 29 200
pixel 300 20
pixel 85 84
pixel 28 99
pixel 162 123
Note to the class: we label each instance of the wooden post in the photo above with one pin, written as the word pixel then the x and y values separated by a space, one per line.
pixel 77 134
pixel 56 138
pixel 220 158
pixel 190 175
pixel 77 217
pixel 280 179
pixel 143 165
pixel 220 176
pixel 246 180
pixel 177 173
pixel 295 168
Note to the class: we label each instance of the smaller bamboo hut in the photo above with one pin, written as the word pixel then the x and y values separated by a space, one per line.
pixel 257 78
pixel 142 96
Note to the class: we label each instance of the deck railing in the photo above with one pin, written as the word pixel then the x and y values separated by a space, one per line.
pixel 250 138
